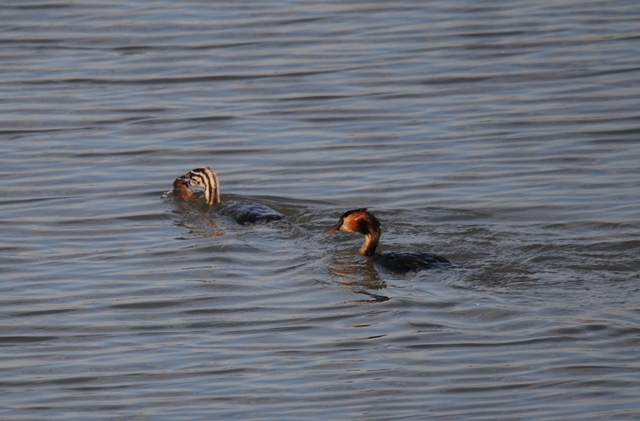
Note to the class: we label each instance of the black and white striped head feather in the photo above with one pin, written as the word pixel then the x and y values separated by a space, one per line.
pixel 205 178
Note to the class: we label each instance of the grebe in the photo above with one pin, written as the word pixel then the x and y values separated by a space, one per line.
pixel 362 221
pixel 242 212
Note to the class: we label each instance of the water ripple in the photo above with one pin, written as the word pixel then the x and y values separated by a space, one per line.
pixel 502 136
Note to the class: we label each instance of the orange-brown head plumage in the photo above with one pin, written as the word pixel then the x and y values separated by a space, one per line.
pixel 362 221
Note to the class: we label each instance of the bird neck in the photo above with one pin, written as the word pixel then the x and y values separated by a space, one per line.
pixel 371 241
pixel 212 190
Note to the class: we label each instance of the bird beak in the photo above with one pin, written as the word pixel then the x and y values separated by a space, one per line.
pixel 334 228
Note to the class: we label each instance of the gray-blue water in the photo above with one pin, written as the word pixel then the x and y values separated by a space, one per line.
pixel 503 135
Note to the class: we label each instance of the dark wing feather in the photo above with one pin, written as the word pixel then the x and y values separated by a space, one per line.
pixel 248 212
pixel 406 262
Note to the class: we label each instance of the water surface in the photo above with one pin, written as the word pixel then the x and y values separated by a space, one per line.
pixel 501 135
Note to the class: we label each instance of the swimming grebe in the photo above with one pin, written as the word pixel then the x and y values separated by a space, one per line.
pixel 242 212
pixel 362 221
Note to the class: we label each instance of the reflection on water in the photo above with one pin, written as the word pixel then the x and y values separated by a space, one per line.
pixel 502 136
pixel 357 274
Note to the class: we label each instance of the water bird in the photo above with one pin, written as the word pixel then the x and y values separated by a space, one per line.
pixel 242 212
pixel 362 221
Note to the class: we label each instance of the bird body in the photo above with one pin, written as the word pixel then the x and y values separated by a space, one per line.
pixel 364 222
pixel 242 212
